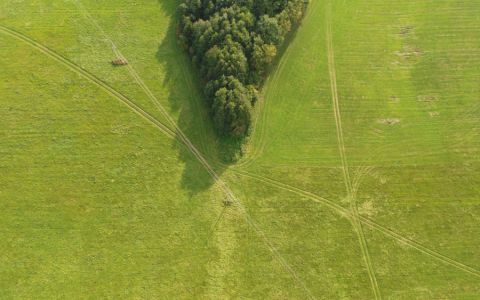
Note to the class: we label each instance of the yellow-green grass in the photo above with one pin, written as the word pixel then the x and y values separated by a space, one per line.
pixel 83 32
pixel 97 202
pixel 318 242
pixel 406 77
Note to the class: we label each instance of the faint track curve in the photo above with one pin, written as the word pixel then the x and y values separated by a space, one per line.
pixel 341 147
pixel 366 221
pixel 90 77
pixel 260 125
pixel 419 247
pixel 179 136
pixel 338 208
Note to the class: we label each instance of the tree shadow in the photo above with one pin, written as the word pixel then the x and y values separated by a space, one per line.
pixel 186 100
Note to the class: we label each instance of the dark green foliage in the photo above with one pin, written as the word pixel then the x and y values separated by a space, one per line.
pixel 233 42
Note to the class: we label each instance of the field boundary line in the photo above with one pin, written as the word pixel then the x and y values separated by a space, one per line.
pixel 90 77
pixel 222 184
pixel 343 157
pixel 368 222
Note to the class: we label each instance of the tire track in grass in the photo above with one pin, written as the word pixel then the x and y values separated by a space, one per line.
pixel 90 77
pixel 262 115
pixel 220 182
pixel 139 111
pixel 366 221
pixel 358 178
pixel 343 156
pixel 197 105
pixel 261 119
pixel 141 83
pixel 419 247
pixel 331 204
pixel 228 192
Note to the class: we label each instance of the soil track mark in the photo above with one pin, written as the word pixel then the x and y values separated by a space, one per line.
pixel 261 115
pixel 341 147
pixel 341 210
pixel 222 184
pixel 178 134
pixel 366 221
pixel 90 77
pixel 259 127
pixel 419 247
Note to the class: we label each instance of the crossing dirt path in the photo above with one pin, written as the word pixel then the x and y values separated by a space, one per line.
pixel 177 134
pixel 343 156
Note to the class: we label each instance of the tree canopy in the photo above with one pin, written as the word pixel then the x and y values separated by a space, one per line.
pixel 232 42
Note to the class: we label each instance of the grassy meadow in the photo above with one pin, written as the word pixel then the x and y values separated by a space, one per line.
pixel 361 178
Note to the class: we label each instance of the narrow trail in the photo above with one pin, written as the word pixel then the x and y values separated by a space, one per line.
pixel 163 128
pixel 260 124
pixel 346 173
pixel 367 222
pixel 262 115
pixel 219 181
pixel 419 247
pixel 331 204
pixel 224 236
pixel 222 184
pixel 191 86
pixel 90 77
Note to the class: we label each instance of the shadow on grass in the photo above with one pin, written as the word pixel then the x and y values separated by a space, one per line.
pixel 186 100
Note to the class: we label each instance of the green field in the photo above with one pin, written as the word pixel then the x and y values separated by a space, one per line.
pixel 361 178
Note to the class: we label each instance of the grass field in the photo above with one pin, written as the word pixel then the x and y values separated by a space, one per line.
pixel 361 179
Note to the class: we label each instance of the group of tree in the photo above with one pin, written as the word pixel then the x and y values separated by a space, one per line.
pixel 232 42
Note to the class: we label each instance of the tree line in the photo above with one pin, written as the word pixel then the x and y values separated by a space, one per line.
pixel 232 42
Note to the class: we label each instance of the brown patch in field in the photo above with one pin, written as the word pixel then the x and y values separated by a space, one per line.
pixel 405 30
pixel 367 209
pixel 409 52
pixel 390 121
pixel 378 132
pixel 120 129
pixel 427 98
pixel 394 99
